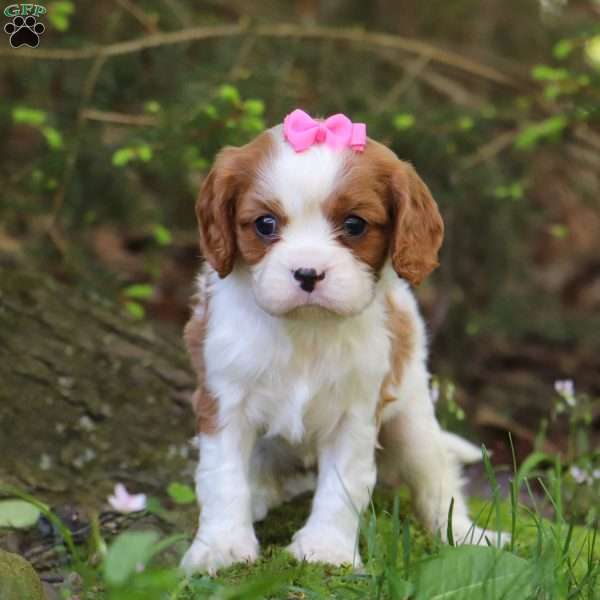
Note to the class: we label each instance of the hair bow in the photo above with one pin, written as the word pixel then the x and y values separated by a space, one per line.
pixel 337 132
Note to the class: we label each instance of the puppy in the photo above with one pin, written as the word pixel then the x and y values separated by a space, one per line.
pixel 308 344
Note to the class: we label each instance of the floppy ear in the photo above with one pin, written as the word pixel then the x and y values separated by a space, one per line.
pixel 418 227
pixel 215 210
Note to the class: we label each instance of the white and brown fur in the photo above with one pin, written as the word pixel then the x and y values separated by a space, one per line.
pixel 289 380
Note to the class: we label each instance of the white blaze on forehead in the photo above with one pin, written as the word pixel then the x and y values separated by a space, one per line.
pixel 301 181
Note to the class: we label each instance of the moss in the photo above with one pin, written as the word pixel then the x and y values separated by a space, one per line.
pixel 18 579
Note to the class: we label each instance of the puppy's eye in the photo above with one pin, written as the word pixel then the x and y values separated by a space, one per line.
pixel 266 226
pixel 354 226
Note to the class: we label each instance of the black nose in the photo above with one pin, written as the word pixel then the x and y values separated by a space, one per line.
pixel 308 278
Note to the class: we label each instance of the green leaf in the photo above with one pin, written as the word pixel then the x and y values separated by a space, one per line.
pixel 28 116
pixel 403 121
pixel 473 573
pixel 181 493
pixel 465 123
pixel 559 231
pixel 139 291
pixel 53 137
pixel 513 191
pixel 254 107
pixel 144 153
pixel 130 551
pixel 122 156
pixel 162 235
pixel 59 14
pixel 135 309
pixel 210 111
pixel 18 514
pixel 547 73
pixel 562 49
pixel 229 93
pixel 152 107
pixel 60 21
pixel 549 128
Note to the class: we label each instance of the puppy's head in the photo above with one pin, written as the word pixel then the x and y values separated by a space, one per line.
pixel 315 228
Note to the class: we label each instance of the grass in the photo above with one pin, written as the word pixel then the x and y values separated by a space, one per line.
pixel 548 558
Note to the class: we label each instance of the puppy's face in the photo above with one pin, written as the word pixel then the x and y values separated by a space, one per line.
pixel 314 229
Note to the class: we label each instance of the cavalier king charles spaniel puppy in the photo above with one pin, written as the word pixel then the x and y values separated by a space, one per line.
pixel 309 347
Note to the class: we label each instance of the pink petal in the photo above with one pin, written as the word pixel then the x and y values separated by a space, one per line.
pixel 124 502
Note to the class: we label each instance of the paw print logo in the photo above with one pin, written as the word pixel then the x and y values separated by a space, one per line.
pixel 24 32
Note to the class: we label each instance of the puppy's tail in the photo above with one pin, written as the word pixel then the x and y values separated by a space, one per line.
pixel 462 450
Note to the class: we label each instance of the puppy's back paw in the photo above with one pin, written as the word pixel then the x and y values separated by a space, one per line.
pixel 461 449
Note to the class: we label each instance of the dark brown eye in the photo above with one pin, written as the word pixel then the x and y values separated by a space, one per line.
pixel 266 226
pixel 354 226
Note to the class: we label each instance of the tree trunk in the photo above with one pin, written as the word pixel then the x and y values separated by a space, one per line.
pixel 87 397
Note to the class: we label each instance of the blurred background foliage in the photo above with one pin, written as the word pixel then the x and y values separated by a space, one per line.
pixel 107 129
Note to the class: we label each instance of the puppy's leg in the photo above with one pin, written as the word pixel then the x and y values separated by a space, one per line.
pixel 414 448
pixel 344 485
pixel 225 532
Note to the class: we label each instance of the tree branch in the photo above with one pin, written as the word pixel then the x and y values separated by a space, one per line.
pixel 353 36
pixel 488 151
pixel 91 114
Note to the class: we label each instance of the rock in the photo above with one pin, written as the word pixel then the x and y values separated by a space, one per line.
pixel 18 579
pixel 109 395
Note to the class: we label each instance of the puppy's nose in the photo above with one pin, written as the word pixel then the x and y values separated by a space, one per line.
pixel 308 278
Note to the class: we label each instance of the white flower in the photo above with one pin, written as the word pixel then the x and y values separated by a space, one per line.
pixel 596 474
pixel 579 475
pixel 124 502
pixel 566 389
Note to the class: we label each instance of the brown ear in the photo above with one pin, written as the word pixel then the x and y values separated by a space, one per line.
pixel 215 210
pixel 418 228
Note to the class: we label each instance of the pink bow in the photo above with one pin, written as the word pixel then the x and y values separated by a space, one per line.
pixel 337 132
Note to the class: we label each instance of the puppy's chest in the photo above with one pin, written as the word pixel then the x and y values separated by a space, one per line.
pixel 309 379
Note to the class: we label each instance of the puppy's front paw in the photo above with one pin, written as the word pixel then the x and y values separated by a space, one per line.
pixel 324 545
pixel 464 531
pixel 211 552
